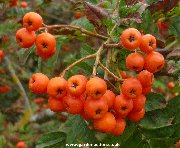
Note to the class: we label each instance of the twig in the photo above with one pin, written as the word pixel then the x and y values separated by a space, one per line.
pixel 107 64
pixel 17 81
pixel 77 28
pixel 77 62
pixel 118 45
pixel 109 72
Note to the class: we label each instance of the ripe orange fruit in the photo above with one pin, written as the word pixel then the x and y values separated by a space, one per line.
pixel 1 55
pixel 154 62
pixel 146 90
pixel 32 21
pixel 56 105
pixel 178 144
pixel 25 38
pixel 109 96
pixel 57 87
pixel 38 83
pixel 78 14
pixel 46 45
pixel 96 87
pixel 73 105
pixel 20 144
pixel 131 88
pixel 39 100
pixel 123 105
pixel 171 85
pixel 105 124
pixel 76 85
pixel 23 4
pixel 119 127
pixel 4 89
pixel 95 108
pixel 146 78
pixel 130 38
pixel 136 116
pixel 147 43
pixel 13 3
pixel 139 103
pixel 135 61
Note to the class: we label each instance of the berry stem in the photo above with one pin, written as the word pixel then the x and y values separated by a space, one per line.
pixel 77 62
pixel 77 28
pixel 109 72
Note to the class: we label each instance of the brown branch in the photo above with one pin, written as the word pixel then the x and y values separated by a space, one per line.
pixel 77 28
pixel 77 62
pixel 118 45
pixel 109 72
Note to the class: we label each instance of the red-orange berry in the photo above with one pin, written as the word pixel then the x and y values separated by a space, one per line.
pixel 178 144
pixel 73 105
pixel 23 4
pixel 171 85
pixel 39 100
pixel 105 124
pixel 138 103
pixel 4 89
pixel 20 144
pixel 96 87
pixel 135 61
pixel 119 127
pixel 146 90
pixel 25 38
pixel 38 83
pixel 136 116
pixel 76 85
pixel 32 21
pixel 1 55
pixel 154 62
pixel 123 105
pixel 131 88
pixel 109 96
pixel 130 38
pixel 95 108
pixel 57 87
pixel 147 43
pixel 146 78
pixel 46 45
pixel 56 105
pixel 78 14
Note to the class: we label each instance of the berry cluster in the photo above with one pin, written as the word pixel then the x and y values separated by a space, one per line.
pixel 22 4
pixel 91 98
pixel 26 37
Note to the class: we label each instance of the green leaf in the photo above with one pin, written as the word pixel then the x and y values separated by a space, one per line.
pixel 78 131
pixel 165 142
pixel 53 139
pixel 154 101
pixel 175 26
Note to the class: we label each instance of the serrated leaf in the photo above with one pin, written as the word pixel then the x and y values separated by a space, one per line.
pixel 78 131
pixel 165 142
pixel 154 101
pixel 53 139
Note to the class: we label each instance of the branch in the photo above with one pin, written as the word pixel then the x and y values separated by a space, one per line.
pixel 17 81
pixel 118 45
pixel 77 62
pixel 77 28
pixel 107 64
pixel 109 72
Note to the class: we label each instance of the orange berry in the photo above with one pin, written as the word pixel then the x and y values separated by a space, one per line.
pixel 136 116
pixel 32 21
pixel 131 88
pixel 23 4
pixel 147 43
pixel 55 105
pixel 146 90
pixel 46 45
pixel 78 14
pixel 96 87
pixel 105 124
pixel 4 89
pixel 123 74
pixel 25 38
pixel 1 55
pixel 135 61
pixel 123 105
pixel 13 3
pixel 38 83
pixel 154 62
pixel 119 127
pixel 171 85
pixel 130 38
pixel 74 105
pixel 95 108
pixel 109 96
pixel 76 85
pixel 57 87
pixel 178 144
pixel 139 103
pixel 20 144
pixel 146 78
pixel 39 100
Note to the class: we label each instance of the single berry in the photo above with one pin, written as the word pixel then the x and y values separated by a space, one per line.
pixel 139 103
pixel 136 116
pixel 119 127
pixel 109 96
pixel 146 78
pixel 55 105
